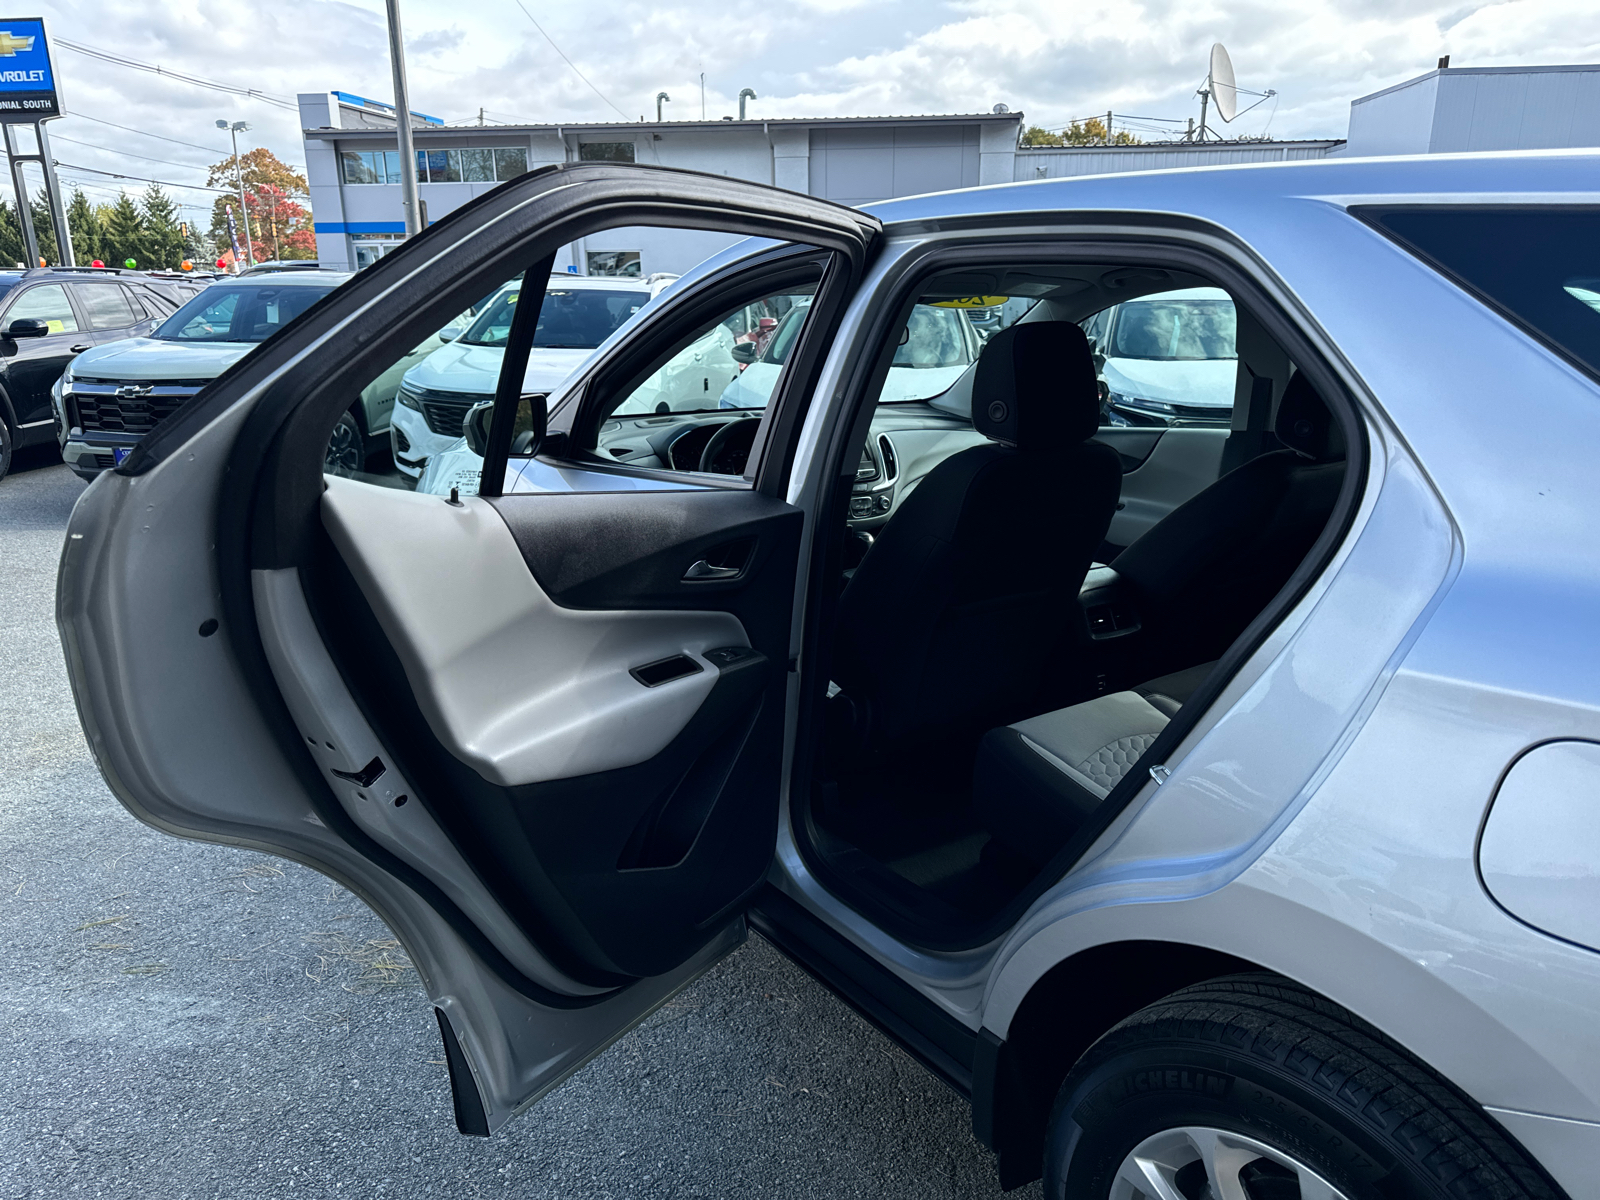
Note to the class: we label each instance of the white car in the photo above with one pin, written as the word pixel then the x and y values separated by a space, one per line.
pixel 579 313
pixel 1169 358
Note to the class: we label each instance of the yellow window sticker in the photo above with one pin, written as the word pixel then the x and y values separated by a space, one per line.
pixel 972 302
pixel 56 326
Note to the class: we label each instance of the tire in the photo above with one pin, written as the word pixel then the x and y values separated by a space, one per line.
pixel 346 454
pixel 5 448
pixel 1270 1081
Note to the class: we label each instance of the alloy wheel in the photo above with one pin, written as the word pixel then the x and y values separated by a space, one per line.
pixel 344 453
pixel 1196 1162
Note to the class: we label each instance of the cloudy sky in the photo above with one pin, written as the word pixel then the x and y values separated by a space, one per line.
pixel 1053 59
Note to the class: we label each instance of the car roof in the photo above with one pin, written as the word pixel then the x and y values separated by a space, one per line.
pixel 286 279
pixel 1213 192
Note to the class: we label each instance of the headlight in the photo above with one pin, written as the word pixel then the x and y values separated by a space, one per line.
pixel 409 398
pixel 65 382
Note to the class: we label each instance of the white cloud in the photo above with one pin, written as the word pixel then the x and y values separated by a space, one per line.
pixel 1054 60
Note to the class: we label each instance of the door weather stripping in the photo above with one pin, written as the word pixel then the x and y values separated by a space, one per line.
pixel 372 793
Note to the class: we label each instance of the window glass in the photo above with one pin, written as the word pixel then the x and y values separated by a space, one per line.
pixel 936 347
pixel 47 303
pixel 438 166
pixel 606 152
pixel 573 317
pixel 510 163
pixel 1540 266
pixel 106 307
pixel 614 262
pixel 733 363
pixel 1167 359
pixel 241 312
pixel 477 166
pixel 358 167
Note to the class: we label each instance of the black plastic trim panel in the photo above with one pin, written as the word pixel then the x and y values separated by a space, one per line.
pixel 940 1042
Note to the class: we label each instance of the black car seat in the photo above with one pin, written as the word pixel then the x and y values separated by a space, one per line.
pixel 1201 575
pixel 946 621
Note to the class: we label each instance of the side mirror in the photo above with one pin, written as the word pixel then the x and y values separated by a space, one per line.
pixel 475 426
pixel 28 327
pixel 743 352
pixel 905 335
pixel 449 333
pixel 528 432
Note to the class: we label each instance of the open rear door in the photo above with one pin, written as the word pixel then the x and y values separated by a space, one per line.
pixel 540 733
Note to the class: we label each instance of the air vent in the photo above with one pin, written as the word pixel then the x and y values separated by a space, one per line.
pixel 886 450
pixel 867 470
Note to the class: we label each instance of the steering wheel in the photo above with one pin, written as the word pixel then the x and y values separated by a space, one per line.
pixel 719 442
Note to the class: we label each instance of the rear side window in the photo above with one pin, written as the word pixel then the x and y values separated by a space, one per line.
pixel 106 305
pixel 1539 266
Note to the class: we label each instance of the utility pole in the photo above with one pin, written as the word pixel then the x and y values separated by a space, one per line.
pixel 402 124
pixel 480 118
pixel 238 178
pixel 1108 129
pixel 702 95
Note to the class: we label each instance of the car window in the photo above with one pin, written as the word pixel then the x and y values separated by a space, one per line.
pixel 1166 359
pixel 105 305
pixel 240 313
pixel 48 303
pixel 571 318
pixel 937 346
pixel 1540 267
pixel 732 363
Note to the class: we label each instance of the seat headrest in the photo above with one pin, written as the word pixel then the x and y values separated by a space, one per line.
pixel 1304 423
pixel 1035 387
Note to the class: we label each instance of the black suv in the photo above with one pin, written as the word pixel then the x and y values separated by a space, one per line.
pixel 49 314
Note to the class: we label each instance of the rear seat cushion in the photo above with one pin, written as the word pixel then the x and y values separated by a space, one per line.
pixel 1036 782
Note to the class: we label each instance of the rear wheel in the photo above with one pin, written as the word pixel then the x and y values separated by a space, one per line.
pixel 1253 1088
pixel 346 453
pixel 5 448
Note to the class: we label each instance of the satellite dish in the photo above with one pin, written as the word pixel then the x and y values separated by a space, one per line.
pixel 1224 91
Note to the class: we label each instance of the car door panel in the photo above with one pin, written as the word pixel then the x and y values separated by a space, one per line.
pixel 626 839
pixel 1182 463
pixel 518 687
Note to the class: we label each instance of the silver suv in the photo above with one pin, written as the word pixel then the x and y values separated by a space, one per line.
pixel 1214 806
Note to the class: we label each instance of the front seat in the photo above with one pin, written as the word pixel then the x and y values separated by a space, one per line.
pixel 948 619
pixel 1201 575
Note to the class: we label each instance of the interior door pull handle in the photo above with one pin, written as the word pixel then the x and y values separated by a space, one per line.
pixel 703 571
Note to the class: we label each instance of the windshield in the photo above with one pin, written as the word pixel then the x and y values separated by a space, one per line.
pixel 569 319
pixel 248 313
pixel 1173 330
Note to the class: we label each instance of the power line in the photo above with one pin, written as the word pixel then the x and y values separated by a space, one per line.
pixel 145 133
pixel 568 61
pixel 151 68
pixel 61 137
pixel 144 179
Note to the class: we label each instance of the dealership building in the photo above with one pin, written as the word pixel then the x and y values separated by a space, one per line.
pixel 353 164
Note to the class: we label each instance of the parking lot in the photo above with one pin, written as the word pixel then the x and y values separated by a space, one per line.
pixel 186 1020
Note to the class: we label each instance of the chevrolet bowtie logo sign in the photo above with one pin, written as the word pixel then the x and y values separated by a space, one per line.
pixel 130 391
pixel 10 45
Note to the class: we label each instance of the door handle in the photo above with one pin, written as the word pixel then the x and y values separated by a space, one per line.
pixel 702 572
pixel 82 348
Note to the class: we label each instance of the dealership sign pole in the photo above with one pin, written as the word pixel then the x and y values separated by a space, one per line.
pixel 29 96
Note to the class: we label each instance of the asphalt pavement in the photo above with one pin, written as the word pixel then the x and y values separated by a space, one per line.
pixel 186 1020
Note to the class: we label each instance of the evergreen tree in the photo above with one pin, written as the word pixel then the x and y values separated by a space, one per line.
pixel 163 241
pixel 44 230
pixel 124 234
pixel 87 231
pixel 11 251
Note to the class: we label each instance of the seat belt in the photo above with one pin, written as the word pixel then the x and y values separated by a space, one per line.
pixel 1254 437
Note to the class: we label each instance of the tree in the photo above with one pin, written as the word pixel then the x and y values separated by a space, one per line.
pixel 163 240
pixel 44 229
pixel 124 234
pixel 281 228
pixel 260 167
pixel 88 232
pixel 1092 132
pixel 11 250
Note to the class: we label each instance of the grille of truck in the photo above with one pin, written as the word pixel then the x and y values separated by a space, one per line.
pixel 126 406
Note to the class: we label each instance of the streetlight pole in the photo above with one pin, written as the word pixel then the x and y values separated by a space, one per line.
pixel 402 120
pixel 238 178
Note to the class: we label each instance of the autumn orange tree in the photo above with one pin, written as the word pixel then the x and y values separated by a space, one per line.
pixel 280 225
